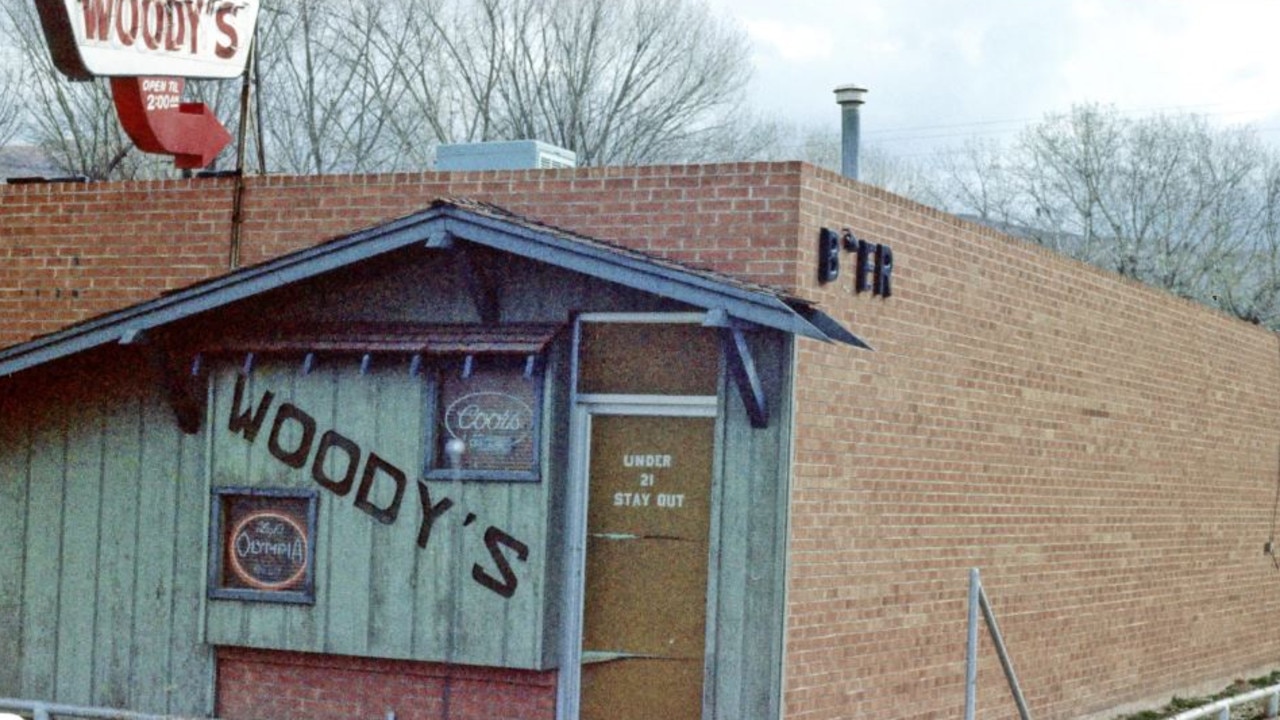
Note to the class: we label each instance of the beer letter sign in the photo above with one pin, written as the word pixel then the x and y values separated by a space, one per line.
pixel 129 38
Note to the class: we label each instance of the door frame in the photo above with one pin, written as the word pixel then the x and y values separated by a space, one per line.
pixel 583 407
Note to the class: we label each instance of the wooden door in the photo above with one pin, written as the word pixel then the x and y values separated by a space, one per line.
pixel 644 617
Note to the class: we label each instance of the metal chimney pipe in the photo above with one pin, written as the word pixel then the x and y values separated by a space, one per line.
pixel 850 99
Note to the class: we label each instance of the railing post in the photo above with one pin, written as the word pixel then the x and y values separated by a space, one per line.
pixel 1005 661
pixel 1273 704
pixel 41 712
pixel 971 648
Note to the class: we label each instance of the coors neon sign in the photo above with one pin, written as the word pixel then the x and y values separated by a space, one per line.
pixel 130 38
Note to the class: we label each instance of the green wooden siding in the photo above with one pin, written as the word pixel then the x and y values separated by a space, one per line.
pixel 377 592
pixel 15 446
pixel 748 567
pixel 105 510
pixel 97 484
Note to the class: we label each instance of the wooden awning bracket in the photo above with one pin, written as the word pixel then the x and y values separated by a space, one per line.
pixel 742 369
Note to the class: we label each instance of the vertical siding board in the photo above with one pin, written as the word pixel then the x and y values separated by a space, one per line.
pixel 766 537
pixel 43 559
pixel 772 680
pixel 191 662
pixel 264 622
pixel 475 612
pixel 15 446
pixel 750 574
pixel 378 594
pixel 117 550
pixel 218 473
pixel 434 585
pixel 80 540
pixel 762 597
pixel 485 620
pixel 228 467
pixel 435 564
pixel 346 598
pixel 731 580
pixel 158 539
pixel 522 644
pixel 399 441
pixel 304 624
pixel 555 487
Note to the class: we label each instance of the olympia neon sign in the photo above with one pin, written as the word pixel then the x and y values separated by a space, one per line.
pixel 133 38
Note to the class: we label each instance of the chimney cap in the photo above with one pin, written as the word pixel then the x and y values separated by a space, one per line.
pixel 846 94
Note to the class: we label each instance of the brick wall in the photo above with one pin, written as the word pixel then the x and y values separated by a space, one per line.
pixel 274 685
pixel 1105 453
pixel 69 252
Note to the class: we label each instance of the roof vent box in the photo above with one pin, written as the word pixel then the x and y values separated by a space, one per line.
pixel 507 155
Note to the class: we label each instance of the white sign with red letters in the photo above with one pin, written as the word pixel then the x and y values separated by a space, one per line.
pixel 127 38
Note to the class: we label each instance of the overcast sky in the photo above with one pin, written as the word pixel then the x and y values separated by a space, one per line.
pixel 942 70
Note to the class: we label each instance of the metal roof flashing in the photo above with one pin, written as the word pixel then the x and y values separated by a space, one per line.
pixel 436 227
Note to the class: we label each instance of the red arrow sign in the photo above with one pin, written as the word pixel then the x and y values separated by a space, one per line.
pixel 155 118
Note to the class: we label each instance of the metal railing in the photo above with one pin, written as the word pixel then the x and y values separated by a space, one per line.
pixel 978 601
pixel 37 710
pixel 48 711
pixel 1222 708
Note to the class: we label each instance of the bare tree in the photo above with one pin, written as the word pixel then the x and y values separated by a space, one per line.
pixel 328 85
pixel 821 145
pixel 1168 200
pixel 636 80
pixel 11 109
pixel 72 123
pixel 971 179
pixel 616 81
pixel 69 121
pixel 376 85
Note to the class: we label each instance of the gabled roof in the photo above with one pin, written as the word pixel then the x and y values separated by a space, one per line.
pixel 727 299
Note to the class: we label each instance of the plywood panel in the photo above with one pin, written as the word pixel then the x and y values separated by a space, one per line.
pixel 652 479
pixel 620 358
pixel 646 569
pixel 646 596
pixel 347 597
pixel 642 689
